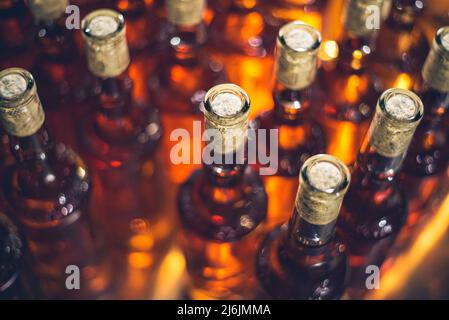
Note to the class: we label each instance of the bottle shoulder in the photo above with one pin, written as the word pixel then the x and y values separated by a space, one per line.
pixel 222 222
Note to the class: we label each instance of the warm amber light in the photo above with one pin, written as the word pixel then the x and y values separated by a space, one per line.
pixel 403 81
pixel 329 50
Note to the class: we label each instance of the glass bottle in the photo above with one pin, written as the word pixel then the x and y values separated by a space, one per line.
pixel 48 190
pixel 304 259
pixel 120 137
pixel 183 76
pixel 59 69
pixel 401 46
pixel 376 207
pixel 428 155
pixel 237 42
pixel 15 40
pixel 222 205
pixel 11 261
pixel 299 136
pixel 348 92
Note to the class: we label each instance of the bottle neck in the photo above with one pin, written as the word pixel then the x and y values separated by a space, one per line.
pixel 355 52
pixel 35 154
pixel 372 165
pixel 55 40
pixel 291 104
pixel 302 233
pixel 185 42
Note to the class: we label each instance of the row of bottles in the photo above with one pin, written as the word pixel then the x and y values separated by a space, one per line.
pixel 108 217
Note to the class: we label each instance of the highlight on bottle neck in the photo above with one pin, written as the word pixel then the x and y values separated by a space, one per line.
pixel 323 182
pixel 21 112
pixel 47 10
pixel 296 55
pixel 398 114
pixel 226 111
pixel 104 36
pixel 436 67
pixel 185 12
pixel 360 16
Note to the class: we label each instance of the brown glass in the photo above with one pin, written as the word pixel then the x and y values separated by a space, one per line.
pixel 15 35
pixel 49 189
pixel 347 97
pixel 401 46
pixel 374 211
pixel 428 155
pixel 302 261
pixel 299 138
pixel 221 208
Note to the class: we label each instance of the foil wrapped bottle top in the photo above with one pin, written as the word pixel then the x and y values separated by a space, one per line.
pixel 47 10
pixel 398 113
pixel 296 55
pixel 436 67
pixel 360 16
pixel 185 12
pixel 21 112
pixel 104 35
pixel 323 182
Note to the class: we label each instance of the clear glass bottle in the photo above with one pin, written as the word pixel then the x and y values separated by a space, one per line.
pixel 376 207
pixel 304 259
pixel 428 155
pixel 348 91
pixel 299 136
pixel 222 205
pixel 120 140
pixel 48 190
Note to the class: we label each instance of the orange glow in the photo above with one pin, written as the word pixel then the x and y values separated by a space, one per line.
pixel 403 81
pixel 329 50
pixel 344 139
pixel 140 259
pixel 395 279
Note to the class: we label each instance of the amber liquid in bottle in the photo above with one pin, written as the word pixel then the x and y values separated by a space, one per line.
pixel 237 42
pixel 185 73
pixel 401 46
pixel 49 189
pixel 304 260
pixel 428 156
pixel 60 70
pixel 348 92
pixel 299 136
pixel 375 208
pixel 221 207
pixel 120 137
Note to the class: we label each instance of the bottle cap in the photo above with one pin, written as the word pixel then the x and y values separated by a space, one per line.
pixel 104 35
pixel 436 67
pixel 47 10
pixel 361 15
pixel 185 12
pixel 21 111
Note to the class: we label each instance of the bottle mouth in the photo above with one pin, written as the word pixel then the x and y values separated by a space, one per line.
pixel 299 37
pixel 226 104
pixel 325 174
pixel 16 86
pixel 401 106
pixel 103 24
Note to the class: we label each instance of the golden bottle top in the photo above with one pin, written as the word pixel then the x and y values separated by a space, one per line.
pixel 21 112
pixel 185 12
pixel 323 182
pixel 296 55
pixel 436 67
pixel 104 36
pixel 226 110
pixel 398 114
pixel 360 16
pixel 47 10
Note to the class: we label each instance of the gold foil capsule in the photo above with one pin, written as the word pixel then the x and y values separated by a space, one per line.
pixel 436 67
